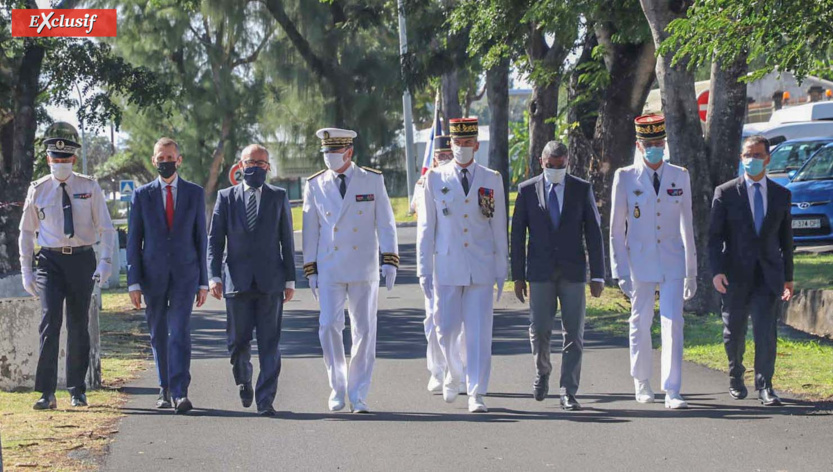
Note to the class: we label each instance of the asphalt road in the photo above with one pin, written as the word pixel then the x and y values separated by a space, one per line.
pixel 411 429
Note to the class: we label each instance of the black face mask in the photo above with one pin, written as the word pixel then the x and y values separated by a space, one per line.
pixel 166 169
pixel 254 176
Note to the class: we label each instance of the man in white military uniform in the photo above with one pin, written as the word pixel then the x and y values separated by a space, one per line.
pixel 347 219
pixel 462 238
pixel 652 245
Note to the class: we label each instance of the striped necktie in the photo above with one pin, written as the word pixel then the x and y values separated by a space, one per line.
pixel 251 210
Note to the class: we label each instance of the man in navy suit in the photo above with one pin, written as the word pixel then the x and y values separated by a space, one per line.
pixel 751 255
pixel 166 254
pixel 559 213
pixel 252 223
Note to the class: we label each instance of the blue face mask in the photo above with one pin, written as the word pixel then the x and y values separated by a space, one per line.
pixel 753 166
pixel 654 154
pixel 254 176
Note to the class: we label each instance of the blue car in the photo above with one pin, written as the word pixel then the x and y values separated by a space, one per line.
pixel 791 155
pixel 812 199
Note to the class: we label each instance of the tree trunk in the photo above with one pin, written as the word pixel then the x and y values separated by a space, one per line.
pixel 727 108
pixel 217 159
pixel 497 89
pixel 451 96
pixel 582 112
pixel 543 106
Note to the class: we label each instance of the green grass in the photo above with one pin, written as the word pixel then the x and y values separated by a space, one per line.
pixel 813 271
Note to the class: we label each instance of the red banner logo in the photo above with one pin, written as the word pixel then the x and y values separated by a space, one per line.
pixel 64 23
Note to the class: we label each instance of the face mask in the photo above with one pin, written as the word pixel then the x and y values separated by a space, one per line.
pixel 463 155
pixel 753 166
pixel 61 171
pixel 254 176
pixel 166 169
pixel 442 162
pixel 334 160
pixel 654 154
pixel 555 176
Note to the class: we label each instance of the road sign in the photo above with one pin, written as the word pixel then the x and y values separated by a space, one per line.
pixel 235 174
pixel 126 188
pixel 703 104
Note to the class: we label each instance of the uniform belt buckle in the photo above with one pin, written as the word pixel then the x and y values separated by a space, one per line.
pixel 66 250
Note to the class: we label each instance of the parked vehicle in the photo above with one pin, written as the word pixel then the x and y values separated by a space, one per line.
pixel 791 155
pixel 812 199
pixel 778 133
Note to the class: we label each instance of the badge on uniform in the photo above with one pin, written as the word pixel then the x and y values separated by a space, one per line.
pixel 675 192
pixel 82 196
pixel 637 192
pixel 486 201
pixel 444 190
pixel 636 212
pixel 41 214
pixel 365 198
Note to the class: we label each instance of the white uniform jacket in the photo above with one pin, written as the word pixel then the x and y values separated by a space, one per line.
pixel 462 239
pixel 651 235
pixel 342 237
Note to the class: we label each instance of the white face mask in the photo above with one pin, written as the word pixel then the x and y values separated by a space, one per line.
pixel 61 171
pixel 334 160
pixel 463 155
pixel 555 176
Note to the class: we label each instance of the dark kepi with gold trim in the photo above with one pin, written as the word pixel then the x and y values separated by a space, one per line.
pixel 650 127
pixel 463 127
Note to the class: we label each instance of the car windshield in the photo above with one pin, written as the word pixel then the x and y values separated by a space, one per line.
pixel 792 156
pixel 819 168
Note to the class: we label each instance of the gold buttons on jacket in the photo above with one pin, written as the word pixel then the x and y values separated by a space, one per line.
pixel 465 244
pixel 355 230
pixel 658 241
pixel 335 229
pixel 465 216
pixel 657 213
pixel 355 248
pixel 465 230
pixel 336 248
pixel 327 213
pixel 467 200
pixel 657 200
pixel 658 227
pixel 360 212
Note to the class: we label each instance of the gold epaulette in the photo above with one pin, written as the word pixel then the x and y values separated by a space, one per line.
pixel 390 258
pixel 370 169
pixel 88 177
pixel 316 174
pixel 310 268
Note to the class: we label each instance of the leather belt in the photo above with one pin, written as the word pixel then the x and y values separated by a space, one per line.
pixel 68 249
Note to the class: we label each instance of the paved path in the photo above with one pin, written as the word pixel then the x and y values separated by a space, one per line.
pixel 413 430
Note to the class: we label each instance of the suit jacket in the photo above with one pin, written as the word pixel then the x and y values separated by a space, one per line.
pixel 550 248
pixel 735 247
pixel 155 254
pixel 456 241
pixel 243 258
pixel 652 234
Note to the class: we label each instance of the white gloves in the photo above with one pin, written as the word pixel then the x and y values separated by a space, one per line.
pixel 689 288
pixel 29 283
pixel 626 286
pixel 427 285
pixel 313 285
pixel 389 273
pixel 499 282
pixel 102 272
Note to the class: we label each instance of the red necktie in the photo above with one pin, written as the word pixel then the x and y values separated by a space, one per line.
pixel 169 208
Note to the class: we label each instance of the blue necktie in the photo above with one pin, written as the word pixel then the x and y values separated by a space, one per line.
pixel 759 208
pixel 552 204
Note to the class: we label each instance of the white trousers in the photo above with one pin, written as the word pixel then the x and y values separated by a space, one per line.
pixel 470 308
pixel 362 303
pixel 433 354
pixel 671 316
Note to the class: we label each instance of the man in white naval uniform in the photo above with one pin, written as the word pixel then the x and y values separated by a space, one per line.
pixel 462 238
pixel 652 245
pixel 347 219
pixel 433 354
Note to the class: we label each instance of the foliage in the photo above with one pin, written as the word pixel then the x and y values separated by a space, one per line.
pixel 518 150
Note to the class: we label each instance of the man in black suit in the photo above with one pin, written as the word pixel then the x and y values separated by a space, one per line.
pixel 751 255
pixel 559 212
pixel 252 222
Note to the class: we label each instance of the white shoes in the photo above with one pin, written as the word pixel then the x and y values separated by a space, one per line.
pixel 476 404
pixel 359 406
pixel 435 385
pixel 644 394
pixel 675 401
pixel 336 402
pixel 450 392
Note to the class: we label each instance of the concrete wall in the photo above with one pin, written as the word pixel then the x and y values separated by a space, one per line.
pixel 810 311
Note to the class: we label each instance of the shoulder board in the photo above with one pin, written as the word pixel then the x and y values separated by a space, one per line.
pixel 41 180
pixel 494 171
pixel 316 174
pixel 83 176
pixel 684 169
pixel 375 171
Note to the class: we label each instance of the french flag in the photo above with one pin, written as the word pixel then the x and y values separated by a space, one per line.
pixel 436 130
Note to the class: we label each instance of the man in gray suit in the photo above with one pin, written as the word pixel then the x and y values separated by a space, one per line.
pixel 554 263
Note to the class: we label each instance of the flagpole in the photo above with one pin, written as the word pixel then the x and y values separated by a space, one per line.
pixel 410 166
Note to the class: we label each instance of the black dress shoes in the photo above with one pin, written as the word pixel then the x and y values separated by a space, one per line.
pixel 79 399
pixel 569 403
pixel 182 405
pixel 247 395
pixel 541 387
pixel 267 411
pixel 164 399
pixel 738 393
pixel 768 397
pixel 46 402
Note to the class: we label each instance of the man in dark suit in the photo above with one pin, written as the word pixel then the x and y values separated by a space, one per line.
pixel 751 255
pixel 166 253
pixel 559 213
pixel 252 223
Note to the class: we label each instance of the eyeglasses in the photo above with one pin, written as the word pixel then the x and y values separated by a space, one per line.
pixel 252 163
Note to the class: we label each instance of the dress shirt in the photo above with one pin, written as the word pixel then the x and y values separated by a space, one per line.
pixel 750 192
pixel 164 185
pixel 459 171
pixel 348 174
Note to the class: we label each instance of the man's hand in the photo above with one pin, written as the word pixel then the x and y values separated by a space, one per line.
pixel 720 283
pixel 788 291
pixel 313 285
pixel 136 298
pixel 389 272
pixel 202 295
pixel 29 283
pixel 626 286
pixel 427 285
pixel 499 282
pixel 596 288
pixel 288 294
pixel 689 288
pixel 102 272
pixel 216 289
pixel 520 290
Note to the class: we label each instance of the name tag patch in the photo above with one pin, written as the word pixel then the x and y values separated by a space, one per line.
pixel 82 196
pixel 675 192
pixel 365 198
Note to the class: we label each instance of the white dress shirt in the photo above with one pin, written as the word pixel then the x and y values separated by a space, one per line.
pixel 348 175
pixel 750 192
pixel 459 172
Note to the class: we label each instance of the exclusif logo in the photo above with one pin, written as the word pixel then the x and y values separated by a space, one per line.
pixel 86 23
